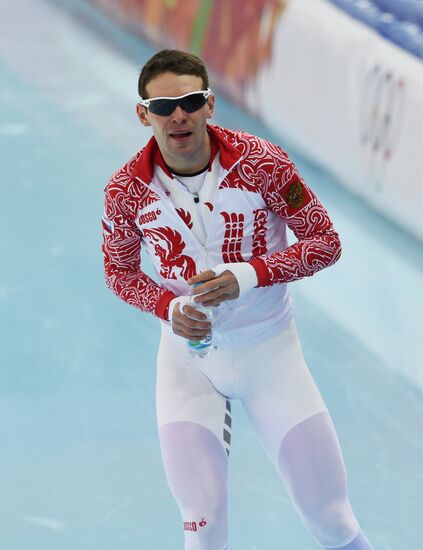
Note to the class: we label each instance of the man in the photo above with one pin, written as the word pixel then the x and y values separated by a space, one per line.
pixel 211 206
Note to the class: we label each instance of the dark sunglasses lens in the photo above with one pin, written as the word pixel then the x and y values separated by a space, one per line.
pixel 192 103
pixel 165 107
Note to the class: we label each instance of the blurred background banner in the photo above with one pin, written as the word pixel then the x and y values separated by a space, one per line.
pixel 235 38
pixel 356 107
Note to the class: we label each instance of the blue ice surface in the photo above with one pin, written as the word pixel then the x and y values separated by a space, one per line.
pixel 80 465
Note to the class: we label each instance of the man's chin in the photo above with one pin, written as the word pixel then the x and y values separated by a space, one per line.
pixel 181 148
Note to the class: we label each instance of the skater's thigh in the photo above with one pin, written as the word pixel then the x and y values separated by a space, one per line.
pixel 277 389
pixel 184 394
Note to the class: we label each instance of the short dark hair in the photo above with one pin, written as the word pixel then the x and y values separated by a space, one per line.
pixel 172 61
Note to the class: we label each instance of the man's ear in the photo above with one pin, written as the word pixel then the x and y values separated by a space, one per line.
pixel 210 106
pixel 142 114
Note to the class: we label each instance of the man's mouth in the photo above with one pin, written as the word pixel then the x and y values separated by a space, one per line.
pixel 180 135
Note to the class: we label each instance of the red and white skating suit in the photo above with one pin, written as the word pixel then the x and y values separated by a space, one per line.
pixel 250 195
pixel 259 194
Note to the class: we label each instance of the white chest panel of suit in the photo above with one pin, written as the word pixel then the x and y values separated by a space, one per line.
pixel 222 227
pixel 192 197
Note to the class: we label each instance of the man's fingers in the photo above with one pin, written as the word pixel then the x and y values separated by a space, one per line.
pixel 191 334
pixel 190 318
pixel 187 327
pixel 228 290
pixel 188 311
pixel 192 313
pixel 206 287
pixel 218 294
pixel 202 277
pixel 222 281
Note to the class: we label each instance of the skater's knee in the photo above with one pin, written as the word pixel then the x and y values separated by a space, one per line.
pixel 196 500
pixel 333 524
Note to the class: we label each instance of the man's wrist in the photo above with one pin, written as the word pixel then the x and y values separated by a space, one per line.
pixel 162 307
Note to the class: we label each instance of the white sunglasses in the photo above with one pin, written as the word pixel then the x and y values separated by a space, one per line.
pixel 164 106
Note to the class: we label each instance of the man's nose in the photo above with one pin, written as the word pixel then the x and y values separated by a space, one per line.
pixel 178 114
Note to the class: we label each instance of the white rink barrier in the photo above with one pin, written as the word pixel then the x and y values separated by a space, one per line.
pixel 351 101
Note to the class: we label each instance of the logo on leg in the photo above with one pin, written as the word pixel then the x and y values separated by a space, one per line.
pixel 192 525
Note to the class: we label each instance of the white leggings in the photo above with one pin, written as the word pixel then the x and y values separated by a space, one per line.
pixel 287 411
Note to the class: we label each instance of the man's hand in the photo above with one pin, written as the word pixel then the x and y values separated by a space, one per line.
pixel 189 323
pixel 214 290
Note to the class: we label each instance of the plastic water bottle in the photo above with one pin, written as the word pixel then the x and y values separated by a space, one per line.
pixel 202 348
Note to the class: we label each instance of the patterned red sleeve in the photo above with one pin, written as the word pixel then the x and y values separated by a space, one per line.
pixel 318 244
pixel 122 252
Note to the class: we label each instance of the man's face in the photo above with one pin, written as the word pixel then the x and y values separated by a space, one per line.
pixel 182 137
